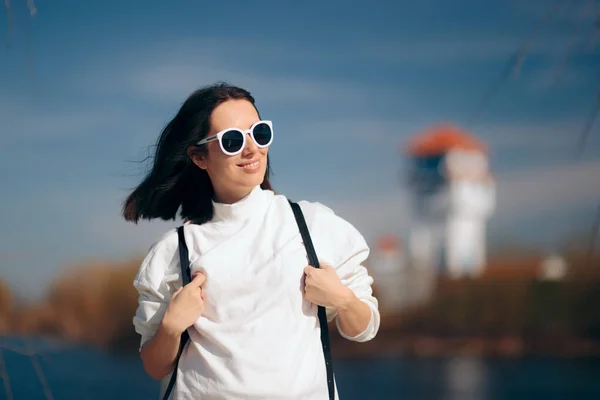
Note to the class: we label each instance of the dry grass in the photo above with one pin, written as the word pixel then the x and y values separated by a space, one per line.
pixel 95 303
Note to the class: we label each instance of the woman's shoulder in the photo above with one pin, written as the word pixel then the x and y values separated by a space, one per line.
pixel 160 259
pixel 314 211
pixel 309 208
pixel 167 243
pixel 335 238
pixel 323 220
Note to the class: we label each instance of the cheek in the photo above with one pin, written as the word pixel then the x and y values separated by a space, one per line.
pixel 264 152
pixel 265 158
pixel 218 161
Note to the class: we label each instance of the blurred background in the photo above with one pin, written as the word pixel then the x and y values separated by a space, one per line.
pixel 457 136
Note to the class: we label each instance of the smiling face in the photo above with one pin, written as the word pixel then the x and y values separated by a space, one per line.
pixel 233 177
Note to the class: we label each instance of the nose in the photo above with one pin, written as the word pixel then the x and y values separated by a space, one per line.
pixel 250 147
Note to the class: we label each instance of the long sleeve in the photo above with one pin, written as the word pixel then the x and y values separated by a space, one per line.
pixel 356 278
pixel 339 244
pixel 156 280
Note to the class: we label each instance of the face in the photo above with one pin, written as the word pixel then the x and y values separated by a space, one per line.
pixel 233 177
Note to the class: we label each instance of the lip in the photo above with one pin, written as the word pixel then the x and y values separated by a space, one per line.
pixel 248 163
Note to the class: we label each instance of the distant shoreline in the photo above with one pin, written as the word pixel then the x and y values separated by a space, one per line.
pixel 422 346
pixel 508 312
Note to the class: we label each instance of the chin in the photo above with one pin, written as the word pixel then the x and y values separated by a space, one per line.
pixel 248 178
pixel 252 180
pixel 256 180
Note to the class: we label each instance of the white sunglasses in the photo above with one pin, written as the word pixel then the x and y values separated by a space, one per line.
pixel 233 140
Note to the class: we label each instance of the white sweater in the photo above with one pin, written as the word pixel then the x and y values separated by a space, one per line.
pixel 258 338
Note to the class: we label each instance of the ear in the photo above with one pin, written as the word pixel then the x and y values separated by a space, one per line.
pixel 197 157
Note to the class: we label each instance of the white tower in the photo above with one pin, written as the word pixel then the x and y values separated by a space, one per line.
pixel 389 272
pixel 453 194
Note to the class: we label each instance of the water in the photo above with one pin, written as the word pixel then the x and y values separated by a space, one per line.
pixel 83 373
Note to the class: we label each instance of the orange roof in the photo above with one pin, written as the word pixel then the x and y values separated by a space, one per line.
pixel 442 138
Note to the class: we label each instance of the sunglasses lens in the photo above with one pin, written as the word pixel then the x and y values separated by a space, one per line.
pixel 232 141
pixel 262 134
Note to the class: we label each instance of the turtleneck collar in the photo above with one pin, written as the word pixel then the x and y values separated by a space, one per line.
pixel 241 209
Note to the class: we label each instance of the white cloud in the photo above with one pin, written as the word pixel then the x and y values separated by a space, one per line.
pixel 98 231
pixel 558 75
pixel 547 135
pixel 543 190
pixel 95 216
pixel 461 48
pixel 527 194
pixel 57 124
pixel 175 81
pixel 24 121
pixel 448 49
pixel 383 213
pixel 575 12
pixel 361 131
pixel 383 134
pixel 393 133
pixel 125 238
pixel 169 71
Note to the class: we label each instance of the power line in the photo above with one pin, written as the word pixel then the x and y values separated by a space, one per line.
pixel 583 137
pixel 594 234
pixel 514 64
pixel 589 8
pixel 9 23
pixel 30 44
pixel 589 123
pixel 32 8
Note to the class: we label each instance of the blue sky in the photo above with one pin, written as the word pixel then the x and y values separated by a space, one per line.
pixel 85 88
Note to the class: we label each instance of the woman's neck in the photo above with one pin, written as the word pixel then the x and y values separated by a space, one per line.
pixel 231 197
pixel 246 207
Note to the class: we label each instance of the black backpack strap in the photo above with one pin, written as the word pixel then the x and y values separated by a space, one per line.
pixel 321 312
pixel 184 260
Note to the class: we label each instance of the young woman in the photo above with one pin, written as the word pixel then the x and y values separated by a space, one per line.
pixel 251 308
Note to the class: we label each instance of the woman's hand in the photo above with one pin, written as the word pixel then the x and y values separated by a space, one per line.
pixel 323 287
pixel 185 307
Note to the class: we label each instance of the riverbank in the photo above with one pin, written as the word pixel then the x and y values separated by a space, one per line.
pixel 508 312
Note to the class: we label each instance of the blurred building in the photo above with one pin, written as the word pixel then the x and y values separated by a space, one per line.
pixel 453 196
pixel 553 268
pixel 388 268
pixel 399 285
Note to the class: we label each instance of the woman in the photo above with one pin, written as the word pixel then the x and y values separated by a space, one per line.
pixel 252 302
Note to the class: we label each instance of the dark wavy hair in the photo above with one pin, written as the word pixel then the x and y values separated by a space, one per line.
pixel 174 180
